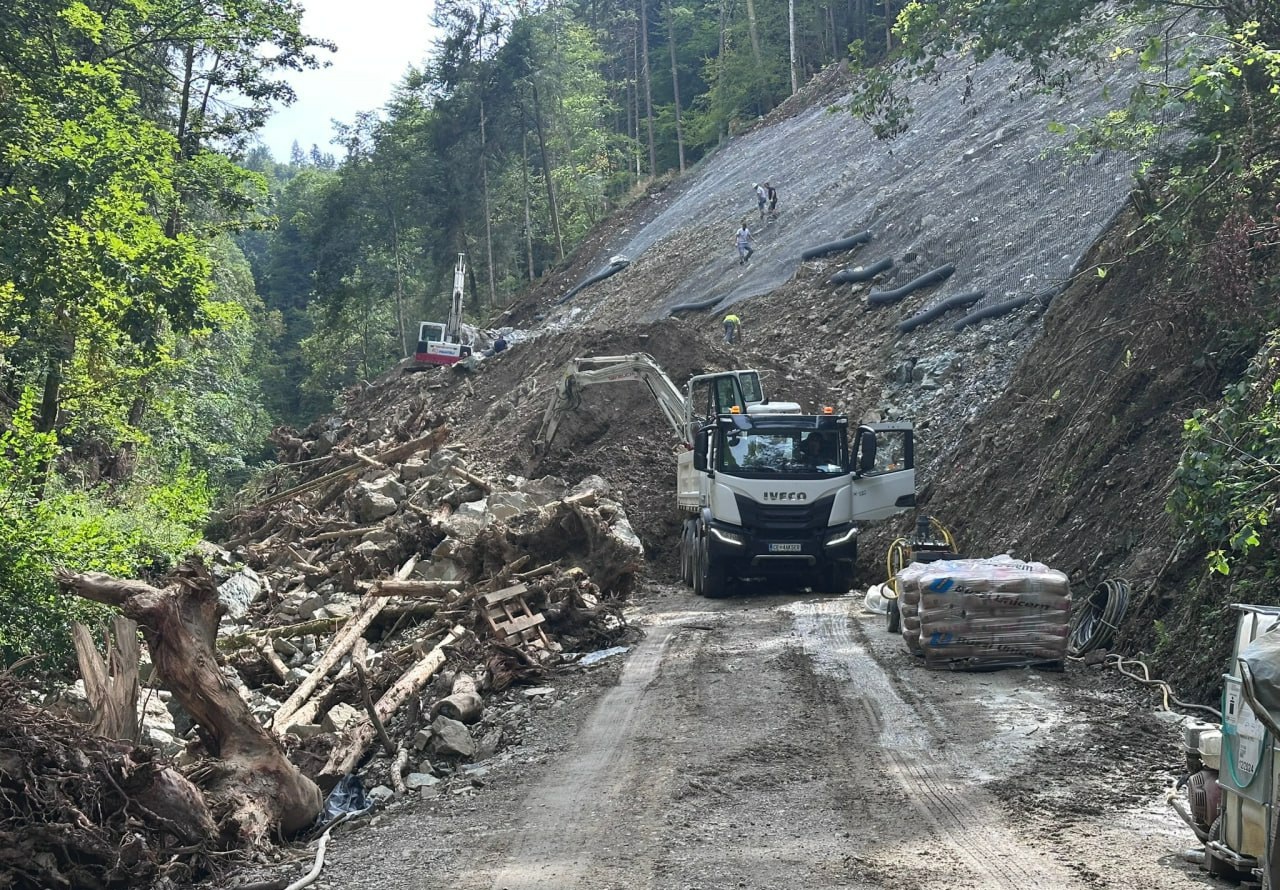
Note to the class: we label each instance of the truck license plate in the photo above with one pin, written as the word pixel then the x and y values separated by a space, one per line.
pixel 784 548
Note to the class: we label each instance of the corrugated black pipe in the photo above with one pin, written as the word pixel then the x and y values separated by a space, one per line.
pixel 694 307
pixel 861 273
pixel 836 246
pixel 1045 297
pixel 942 273
pixel 928 315
pixel 612 269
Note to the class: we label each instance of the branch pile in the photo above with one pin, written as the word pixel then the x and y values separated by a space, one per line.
pixel 78 810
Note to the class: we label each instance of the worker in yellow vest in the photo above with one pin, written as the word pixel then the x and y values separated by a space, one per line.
pixel 731 325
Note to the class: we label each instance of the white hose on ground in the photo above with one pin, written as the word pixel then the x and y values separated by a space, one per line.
pixel 310 876
pixel 1171 799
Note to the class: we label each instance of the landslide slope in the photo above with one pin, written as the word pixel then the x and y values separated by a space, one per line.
pixel 1052 434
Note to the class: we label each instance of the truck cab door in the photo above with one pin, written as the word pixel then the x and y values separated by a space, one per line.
pixel 884 475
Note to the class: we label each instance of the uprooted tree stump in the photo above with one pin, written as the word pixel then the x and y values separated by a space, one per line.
pixel 253 788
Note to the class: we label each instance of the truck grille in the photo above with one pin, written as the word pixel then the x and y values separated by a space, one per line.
pixel 786 519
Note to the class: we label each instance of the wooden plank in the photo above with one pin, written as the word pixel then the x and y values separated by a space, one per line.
pixel 520 623
pixel 500 596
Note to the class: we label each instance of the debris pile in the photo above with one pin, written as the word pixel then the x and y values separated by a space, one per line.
pixel 361 620
pixel 389 559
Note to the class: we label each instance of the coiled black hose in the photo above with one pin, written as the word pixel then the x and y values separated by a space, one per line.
pixel 1094 623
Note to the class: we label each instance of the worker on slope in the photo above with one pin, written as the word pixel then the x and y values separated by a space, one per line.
pixel 772 194
pixel 744 241
pixel 731 325
pixel 761 197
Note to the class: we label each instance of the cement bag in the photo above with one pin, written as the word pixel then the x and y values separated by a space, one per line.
pixel 1260 677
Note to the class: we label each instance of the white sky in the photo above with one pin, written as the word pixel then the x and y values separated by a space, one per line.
pixel 377 41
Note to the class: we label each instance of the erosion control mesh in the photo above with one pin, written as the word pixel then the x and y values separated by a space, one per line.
pixel 977 181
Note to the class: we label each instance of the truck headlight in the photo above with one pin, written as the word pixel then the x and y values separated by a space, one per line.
pixel 843 537
pixel 728 537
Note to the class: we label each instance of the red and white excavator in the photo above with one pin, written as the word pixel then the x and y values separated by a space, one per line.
pixel 445 344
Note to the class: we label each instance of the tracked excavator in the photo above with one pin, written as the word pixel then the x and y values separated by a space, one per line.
pixel 764 491
pixel 444 343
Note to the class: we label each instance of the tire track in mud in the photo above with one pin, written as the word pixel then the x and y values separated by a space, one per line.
pixel 963 816
pixel 579 799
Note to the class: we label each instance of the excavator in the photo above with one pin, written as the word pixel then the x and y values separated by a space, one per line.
pixel 444 344
pixel 763 490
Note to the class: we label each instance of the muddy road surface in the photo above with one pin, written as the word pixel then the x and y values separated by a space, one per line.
pixel 790 741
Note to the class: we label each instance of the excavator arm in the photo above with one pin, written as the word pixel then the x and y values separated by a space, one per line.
pixel 453 329
pixel 640 367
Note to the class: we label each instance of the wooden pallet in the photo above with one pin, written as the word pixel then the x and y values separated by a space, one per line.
pixel 511 620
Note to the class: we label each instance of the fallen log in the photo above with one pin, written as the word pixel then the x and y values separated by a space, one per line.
pixel 359 735
pixel 397 771
pixel 463 703
pixel 231 642
pixel 255 788
pixel 341 645
pixel 273 660
pixel 338 534
pixel 396 587
pixel 482 484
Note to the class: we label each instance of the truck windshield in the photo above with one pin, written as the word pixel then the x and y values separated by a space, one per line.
pixel 788 451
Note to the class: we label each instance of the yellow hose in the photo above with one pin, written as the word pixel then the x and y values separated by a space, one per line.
pixel 899 556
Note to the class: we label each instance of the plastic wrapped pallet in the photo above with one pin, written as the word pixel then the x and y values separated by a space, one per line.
pixel 980 614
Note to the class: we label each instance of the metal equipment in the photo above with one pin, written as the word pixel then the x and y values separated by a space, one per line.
pixel 445 343
pixel 931 541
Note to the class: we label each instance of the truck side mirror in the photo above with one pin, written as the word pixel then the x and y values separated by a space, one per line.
pixel 866 450
pixel 700 451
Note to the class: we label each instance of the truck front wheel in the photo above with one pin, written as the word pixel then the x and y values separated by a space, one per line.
pixel 837 579
pixel 711 572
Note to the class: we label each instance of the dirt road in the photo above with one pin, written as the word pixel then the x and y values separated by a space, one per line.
pixel 770 741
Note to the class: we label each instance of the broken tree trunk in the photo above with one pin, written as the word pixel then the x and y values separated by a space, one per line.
pixel 256 789
pixel 464 704
pixel 111 684
pixel 359 735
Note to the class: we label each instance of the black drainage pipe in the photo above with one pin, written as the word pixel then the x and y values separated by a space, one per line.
pixel 928 315
pixel 611 269
pixel 1045 297
pixel 836 246
pixel 861 273
pixel 694 307
pixel 942 273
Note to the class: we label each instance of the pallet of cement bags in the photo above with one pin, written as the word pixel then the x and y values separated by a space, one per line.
pixel 983 614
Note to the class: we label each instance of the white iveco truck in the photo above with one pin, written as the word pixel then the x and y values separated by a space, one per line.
pixel 764 490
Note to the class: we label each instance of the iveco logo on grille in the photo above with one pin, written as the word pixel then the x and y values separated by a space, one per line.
pixel 785 496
